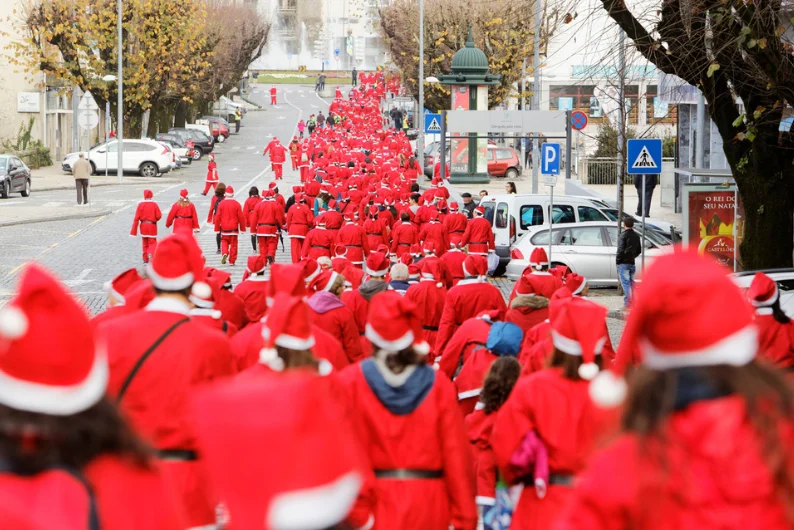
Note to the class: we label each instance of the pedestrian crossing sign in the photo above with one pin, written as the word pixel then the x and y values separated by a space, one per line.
pixel 644 156
pixel 432 123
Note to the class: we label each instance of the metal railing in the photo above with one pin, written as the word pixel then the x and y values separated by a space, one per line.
pixel 604 171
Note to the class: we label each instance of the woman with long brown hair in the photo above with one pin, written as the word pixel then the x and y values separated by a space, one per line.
pixel 183 215
pixel 67 458
pixel 551 411
pixel 707 428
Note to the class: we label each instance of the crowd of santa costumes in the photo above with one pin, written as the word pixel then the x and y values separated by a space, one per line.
pixel 377 383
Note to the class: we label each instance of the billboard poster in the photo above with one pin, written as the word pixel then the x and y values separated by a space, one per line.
pixel 459 147
pixel 714 222
pixel 482 143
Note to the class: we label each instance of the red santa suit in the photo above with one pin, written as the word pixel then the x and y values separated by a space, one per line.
pixel 183 217
pixel 471 334
pixel 455 223
pixel 436 233
pixel 272 95
pixel 319 242
pixel 303 164
pixel 299 221
pixel 429 296
pixel 543 283
pixel 146 216
pixel 377 233
pixel 248 208
pixel 404 235
pixel 268 219
pixel 211 182
pixel 253 290
pixel 278 155
pixel 331 314
pixel 478 236
pixel 229 221
pixel 528 308
pixel 479 427
pixel 355 240
pixel 775 339
pixel 454 259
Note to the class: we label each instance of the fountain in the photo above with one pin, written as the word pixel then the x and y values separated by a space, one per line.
pixel 277 55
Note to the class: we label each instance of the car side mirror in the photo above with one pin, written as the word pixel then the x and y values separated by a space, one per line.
pixel 101 151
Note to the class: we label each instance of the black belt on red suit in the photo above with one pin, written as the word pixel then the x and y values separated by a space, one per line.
pixel 183 217
pixel 374 235
pixel 478 242
pixel 149 222
pixel 354 246
pixel 560 479
pixel 185 455
pixel 267 224
pixel 320 246
pixel 404 244
pixel 458 231
pixel 409 474
pixel 430 328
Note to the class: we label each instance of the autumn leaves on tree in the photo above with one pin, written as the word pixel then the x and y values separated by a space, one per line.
pixel 177 56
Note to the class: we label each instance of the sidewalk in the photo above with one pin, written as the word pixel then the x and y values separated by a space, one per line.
pixel 21 215
pixel 54 178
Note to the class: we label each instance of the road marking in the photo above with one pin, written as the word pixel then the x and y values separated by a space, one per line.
pixel 281 118
pixel 234 169
pixel 171 187
pixel 51 204
pixel 9 203
pixel 80 279
pixel 251 147
pixel 236 148
pixel 115 204
pixel 314 106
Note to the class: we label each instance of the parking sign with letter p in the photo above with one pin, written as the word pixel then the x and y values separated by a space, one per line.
pixel 550 159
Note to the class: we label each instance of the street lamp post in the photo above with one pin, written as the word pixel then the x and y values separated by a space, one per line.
pixel 419 120
pixel 107 79
pixel 120 87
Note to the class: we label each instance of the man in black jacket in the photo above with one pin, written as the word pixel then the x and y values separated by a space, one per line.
pixel 629 247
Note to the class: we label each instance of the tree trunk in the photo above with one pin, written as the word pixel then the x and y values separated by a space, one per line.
pixel 154 119
pixel 180 114
pixel 166 118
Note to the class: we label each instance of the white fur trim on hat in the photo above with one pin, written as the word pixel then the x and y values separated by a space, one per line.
pixel 377 274
pixel 571 346
pixel 206 312
pixel 317 507
pixel 13 323
pixel 294 343
pixel 201 302
pixel 56 400
pixel 581 287
pixel 735 350
pixel 331 280
pixel 393 346
pixel 169 284
pixel 769 301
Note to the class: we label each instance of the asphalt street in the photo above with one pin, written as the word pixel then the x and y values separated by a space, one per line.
pixel 86 253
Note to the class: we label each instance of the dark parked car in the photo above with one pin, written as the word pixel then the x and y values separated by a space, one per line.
pixel 203 144
pixel 14 176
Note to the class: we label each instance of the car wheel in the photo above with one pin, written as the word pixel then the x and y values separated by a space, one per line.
pixel 197 153
pixel 3 190
pixel 512 173
pixel 220 139
pixel 501 269
pixel 93 168
pixel 26 189
pixel 149 169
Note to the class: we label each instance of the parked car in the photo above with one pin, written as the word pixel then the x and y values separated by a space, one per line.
pixel 224 130
pixel 148 158
pixel 504 162
pixel 512 215
pixel 586 248
pixel 176 162
pixel 431 157
pixel 14 176
pixel 211 129
pixel 179 146
pixel 203 144
pixel 784 278
pixel 650 222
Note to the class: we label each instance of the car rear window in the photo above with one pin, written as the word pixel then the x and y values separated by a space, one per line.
pixel 542 237
pixel 503 154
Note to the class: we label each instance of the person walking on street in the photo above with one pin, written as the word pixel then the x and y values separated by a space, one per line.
pixel 320 120
pixel 301 128
pixel 212 175
pixel 311 124
pixel 629 247
pixel 238 117
pixel 650 184
pixel 354 77
pixel 81 170
pixel 322 82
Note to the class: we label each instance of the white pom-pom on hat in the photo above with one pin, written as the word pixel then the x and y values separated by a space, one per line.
pixel 216 315
pixel 588 371
pixel 13 323
pixel 422 348
pixel 608 390
pixel 201 289
pixel 439 285
pixel 324 367
pixel 107 286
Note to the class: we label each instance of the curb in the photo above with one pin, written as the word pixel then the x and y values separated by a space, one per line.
pixel 103 184
pixel 98 213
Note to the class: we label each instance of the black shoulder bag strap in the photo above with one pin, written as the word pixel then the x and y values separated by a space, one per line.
pixel 225 327
pixel 145 356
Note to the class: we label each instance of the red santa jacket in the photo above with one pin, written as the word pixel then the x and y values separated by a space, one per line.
pixel 333 221
pixel 455 224
pixel 183 217
pixel 437 233
pixel 318 242
pixel 330 314
pixel 268 219
pixel 115 483
pixel 428 435
pixel 570 425
pixel 470 379
pixel 446 275
pixel 708 485
pixel 212 319
pixel 479 427
pixel 464 301
pixel 471 334
pixel 278 153
pixel 429 299
pixel 478 236
pixel 229 219
pixel 157 400
pixel 403 236
pixel 146 216
pixel 454 261
pixel 253 294
pixel 775 340
pixel 248 209
pixel 357 301
pixel 354 238
pixel 212 171
pixel 232 308
pixel 544 283
pixel 299 220
pixel 247 344
pixel 528 311
pixel 377 233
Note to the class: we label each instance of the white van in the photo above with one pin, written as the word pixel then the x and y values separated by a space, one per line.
pixel 512 215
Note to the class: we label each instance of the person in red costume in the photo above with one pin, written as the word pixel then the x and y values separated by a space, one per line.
pixel 775 330
pixel 273 95
pixel 183 216
pixel 268 220
pixel 436 232
pixel 699 385
pixel 319 242
pixel 230 305
pixel 537 273
pixel 431 488
pixel 358 301
pixel 455 223
pixel 479 234
pixel 299 221
pixel 204 312
pixel 528 308
pixel 473 333
pixel 403 236
pixel 331 314
pixel 229 222
pixel 429 294
pixel 454 259
pixel 64 443
pixel 377 232
pixel 278 155
pixel 212 179
pixel 147 214
pixel 252 290
pixel 353 237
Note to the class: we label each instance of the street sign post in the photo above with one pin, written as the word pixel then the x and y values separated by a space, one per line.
pixel 550 168
pixel 644 157
pixel 432 123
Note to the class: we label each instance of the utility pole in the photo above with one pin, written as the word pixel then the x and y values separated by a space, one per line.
pixel 120 110
pixel 700 138
pixel 536 95
pixel 523 109
pixel 621 124
pixel 419 118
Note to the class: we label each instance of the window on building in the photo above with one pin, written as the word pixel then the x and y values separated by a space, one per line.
pixel 657 111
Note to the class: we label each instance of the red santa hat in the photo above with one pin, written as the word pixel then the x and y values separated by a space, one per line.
pixel 442 204
pixel 119 285
pixel 324 281
pixel 431 271
pixel 383 249
pixel 575 283
pixel 268 195
pixel 320 219
pixel 378 264
pixel 579 330
pixel 538 258
pixel 491 315
pixel 475 265
pixel 560 297
pixel 288 279
pixel 183 194
pixel 205 298
pixel 332 204
pixel 272 186
pixel 313 463
pixel 414 272
pixel 350 217
pixel 763 292
pixel 177 263
pixel 479 211
pixel 310 269
pixel 393 324
pixel 340 251
pixel 229 191
pixel 256 264
pixel 429 248
pixel 148 195
pixel 211 157
pixel 453 206
pixel 525 286
pixel 289 327
pixel 50 362
pixel 415 249
pixel 296 189
pixel 435 182
pixel 560 271
pixel 218 277
pixel 688 313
